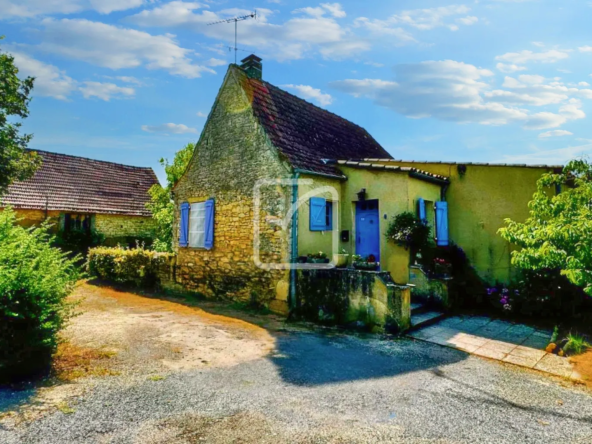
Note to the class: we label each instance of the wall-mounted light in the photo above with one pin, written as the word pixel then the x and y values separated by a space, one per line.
pixel 362 194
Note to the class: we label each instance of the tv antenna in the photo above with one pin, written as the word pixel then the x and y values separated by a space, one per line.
pixel 236 20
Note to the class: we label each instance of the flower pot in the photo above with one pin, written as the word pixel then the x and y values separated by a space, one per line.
pixel 340 260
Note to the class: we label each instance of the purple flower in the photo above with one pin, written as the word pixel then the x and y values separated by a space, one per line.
pixel 504 301
pixel 491 291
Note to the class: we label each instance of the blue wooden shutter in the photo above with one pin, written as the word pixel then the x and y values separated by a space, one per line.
pixel 442 223
pixel 318 214
pixel 421 210
pixel 184 225
pixel 209 225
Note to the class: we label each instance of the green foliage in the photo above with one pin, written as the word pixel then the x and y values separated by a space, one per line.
pixel 558 233
pixel 137 267
pixel 15 163
pixel 408 230
pixel 35 279
pixel 161 204
pixel 575 345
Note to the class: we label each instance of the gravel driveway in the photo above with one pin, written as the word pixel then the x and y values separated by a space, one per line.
pixel 316 387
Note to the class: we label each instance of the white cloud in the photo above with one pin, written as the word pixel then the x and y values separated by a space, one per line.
pixel 334 9
pixel 201 114
pixel 310 93
pixel 116 48
pixel 105 91
pixel 555 133
pixel 33 8
pixel 426 19
pixel 539 44
pixel 468 20
pixel 446 90
pixel 169 128
pixel 509 68
pixel 216 62
pixel 130 79
pixel 309 33
pixel 49 80
pixel 459 92
pixel 585 49
pixel 420 19
pixel 526 56
pixel 549 157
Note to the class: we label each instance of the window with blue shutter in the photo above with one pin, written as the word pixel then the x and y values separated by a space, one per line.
pixel 442 224
pixel 184 225
pixel 321 214
pixel 421 210
pixel 209 225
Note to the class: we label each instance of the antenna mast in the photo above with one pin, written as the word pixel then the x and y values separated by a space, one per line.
pixel 236 20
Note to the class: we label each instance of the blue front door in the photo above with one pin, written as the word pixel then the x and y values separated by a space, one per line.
pixel 368 229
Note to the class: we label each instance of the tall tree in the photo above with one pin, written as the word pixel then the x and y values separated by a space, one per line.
pixel 15 162
pixel 558 233
pixel 161 204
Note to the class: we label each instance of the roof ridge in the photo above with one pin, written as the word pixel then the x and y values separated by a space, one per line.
pixel 88 158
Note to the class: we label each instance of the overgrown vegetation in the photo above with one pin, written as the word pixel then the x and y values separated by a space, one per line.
pixel 79 241
pixel 15 162
pixel 137 267
pixel 161 205
pixel 558 233
pixel 35 279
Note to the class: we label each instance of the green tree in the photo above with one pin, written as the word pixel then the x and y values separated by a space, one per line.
pixel 161 204
pixel 15 162
pixel 558 233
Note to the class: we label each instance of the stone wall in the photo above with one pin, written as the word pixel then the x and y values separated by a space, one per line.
pixel 29 218
pixel 353 298
pixel 429 290
pixel 232 155
pixel 119 228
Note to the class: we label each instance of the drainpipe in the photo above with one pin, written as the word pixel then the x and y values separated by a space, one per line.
pixel 294 249
pixel 443 192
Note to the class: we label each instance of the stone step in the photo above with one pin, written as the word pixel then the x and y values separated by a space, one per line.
pixel 420 320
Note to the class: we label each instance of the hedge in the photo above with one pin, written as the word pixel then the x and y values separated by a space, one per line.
pixel 129 266
pixel 35 280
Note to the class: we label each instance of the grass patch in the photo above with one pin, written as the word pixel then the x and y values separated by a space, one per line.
pixel 65 408
pixel 576 344
pixel 156 378
pixel 71 362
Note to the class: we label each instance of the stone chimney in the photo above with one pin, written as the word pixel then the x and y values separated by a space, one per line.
pixel 252 66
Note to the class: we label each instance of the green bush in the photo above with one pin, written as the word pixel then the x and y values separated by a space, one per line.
pixel 136 266
pixel 35 279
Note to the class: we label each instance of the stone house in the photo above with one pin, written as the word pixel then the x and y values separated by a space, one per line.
pixel 275 178
pixel 77 193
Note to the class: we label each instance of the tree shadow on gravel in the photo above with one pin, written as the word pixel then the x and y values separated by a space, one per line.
pixel 307 354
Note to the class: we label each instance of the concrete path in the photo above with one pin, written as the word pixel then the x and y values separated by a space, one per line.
pixel 499 340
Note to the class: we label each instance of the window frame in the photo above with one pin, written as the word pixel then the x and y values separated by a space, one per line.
pixel 190 233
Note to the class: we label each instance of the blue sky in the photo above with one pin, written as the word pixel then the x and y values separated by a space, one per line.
pixel 132 81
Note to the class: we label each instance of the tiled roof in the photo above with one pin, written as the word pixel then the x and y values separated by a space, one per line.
pixel 77 184
pixel 377 166
pixel 523 165
pixel 305 133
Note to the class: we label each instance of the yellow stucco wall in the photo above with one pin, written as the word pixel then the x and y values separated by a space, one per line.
pixel 29 218
pixel 478 203
pixel 315 241
pixel 396 193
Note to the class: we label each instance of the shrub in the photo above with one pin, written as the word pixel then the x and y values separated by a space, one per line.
pixel 35 279
pixel 576 345
pixel 409 231
pixel 136 266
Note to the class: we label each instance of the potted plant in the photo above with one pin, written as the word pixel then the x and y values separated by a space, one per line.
pixel 340 259
pixel 318 258
pixel 367 263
